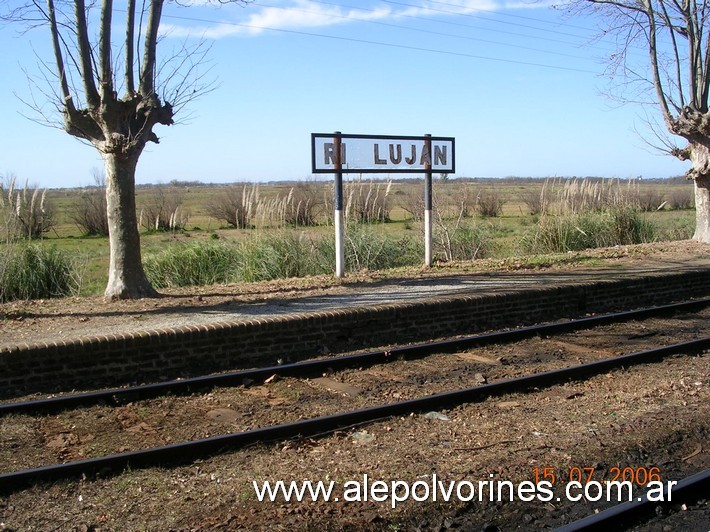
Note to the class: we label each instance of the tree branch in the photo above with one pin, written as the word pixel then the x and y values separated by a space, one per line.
pixel 653 56
pixel 130 30
pixel 147 85
pixel 59 59
pixel 87 71
pixel 105 52
pixel 679 80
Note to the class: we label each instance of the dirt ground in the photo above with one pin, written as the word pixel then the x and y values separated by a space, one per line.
pixel 641 418
pixel 655 416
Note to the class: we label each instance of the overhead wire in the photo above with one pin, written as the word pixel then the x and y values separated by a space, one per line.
pixel 379 43
pixel 421 30
pixel 512 15
pixel 478 16
pixel 587 41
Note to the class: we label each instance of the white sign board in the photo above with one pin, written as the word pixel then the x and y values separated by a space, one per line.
pixel 381 154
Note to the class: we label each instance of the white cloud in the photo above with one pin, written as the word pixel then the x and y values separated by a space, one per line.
pixel 307 14
pixel 295 15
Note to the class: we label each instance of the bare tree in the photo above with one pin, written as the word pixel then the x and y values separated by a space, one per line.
pixel 236 205
pixel 89 214
pixel 162 209
pixel 89 67
pixel 676 36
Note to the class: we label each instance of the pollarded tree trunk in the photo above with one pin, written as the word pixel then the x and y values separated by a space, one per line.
pixel 700 172
pixel 127 279
pixel 702 209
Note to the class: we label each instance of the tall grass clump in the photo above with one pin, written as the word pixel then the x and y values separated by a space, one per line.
pixel 193 264
pixel 366 249
pixel 235 205
pixel 278 256
pixel 467 241
pixel 301 207
pixel 596 195
pixel 365 202
pixel 574 232
pixel 25 213
pixel 162 209
pixel 33 272
pixel 626 226
pixel 454 238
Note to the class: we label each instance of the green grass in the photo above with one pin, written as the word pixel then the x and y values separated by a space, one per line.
pixel 267 253
pixel 29 271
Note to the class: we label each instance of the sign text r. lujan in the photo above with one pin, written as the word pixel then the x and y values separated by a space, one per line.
pixel 359 153
pixel 390 155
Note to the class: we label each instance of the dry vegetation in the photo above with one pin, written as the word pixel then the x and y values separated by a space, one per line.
pixel 263 225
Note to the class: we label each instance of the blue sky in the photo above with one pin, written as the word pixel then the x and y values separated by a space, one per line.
pixel 519 85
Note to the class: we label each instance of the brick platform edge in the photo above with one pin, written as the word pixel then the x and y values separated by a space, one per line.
pixel 153 355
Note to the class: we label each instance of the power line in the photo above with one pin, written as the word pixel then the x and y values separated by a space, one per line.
pixel 458 24
pixel 471 15
pixel 421 30
pixel 379 43
pixel 511 15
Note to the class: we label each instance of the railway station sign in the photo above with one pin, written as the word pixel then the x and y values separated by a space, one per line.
pixel 338 153
pixel 381 154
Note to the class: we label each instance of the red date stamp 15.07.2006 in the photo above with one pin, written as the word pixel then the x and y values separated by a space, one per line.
pixel 640 476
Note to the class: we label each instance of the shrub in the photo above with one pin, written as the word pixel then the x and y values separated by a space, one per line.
pixel 413 204
pixel 367 203
pixel 199 263
pixel 300 207
pixel 236 206
pixel 90 214
pixel 681 199
pixel 367 250
pixel 27 213
pixel 537 201
pixel 32 272
pixel 650 200
pixel 303 204
pixel 589 230
pixel 277 256
pixel 489 203
pixel 274 256
pixel 162 210
pixel 454 201
pixel 468 242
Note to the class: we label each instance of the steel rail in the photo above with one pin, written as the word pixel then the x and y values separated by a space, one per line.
pixel 318 367
pixel 689 489
pixel 189 451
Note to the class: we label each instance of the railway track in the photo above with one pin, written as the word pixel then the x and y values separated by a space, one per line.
pixel 317 367
pixel 191 450
pixel 188 451
pixel 626 514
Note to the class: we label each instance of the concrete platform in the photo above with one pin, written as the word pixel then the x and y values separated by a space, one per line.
pixel 189 341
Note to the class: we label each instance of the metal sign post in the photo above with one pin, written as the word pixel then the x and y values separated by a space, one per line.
pixel 338 153
pixel 338 218
pixel 427 202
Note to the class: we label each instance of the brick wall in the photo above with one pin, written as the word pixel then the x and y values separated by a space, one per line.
pixel 194 350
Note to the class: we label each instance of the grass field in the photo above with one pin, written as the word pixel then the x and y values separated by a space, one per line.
pixel 496 215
